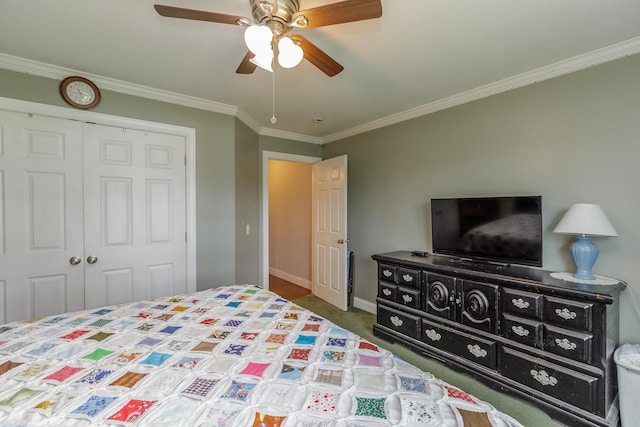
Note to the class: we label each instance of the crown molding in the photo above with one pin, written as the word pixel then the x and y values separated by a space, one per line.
pixel 576 63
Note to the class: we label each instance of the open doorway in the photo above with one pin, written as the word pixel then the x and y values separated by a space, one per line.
pixel 287 267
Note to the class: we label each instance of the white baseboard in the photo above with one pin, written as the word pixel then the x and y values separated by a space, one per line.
pixel 364 305
pixel 302 282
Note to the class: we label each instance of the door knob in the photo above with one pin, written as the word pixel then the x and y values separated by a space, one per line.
pixel 74 260
pixel 92 259
pixel 343 241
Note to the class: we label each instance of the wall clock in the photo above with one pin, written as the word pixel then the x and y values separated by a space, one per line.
pixel 80 93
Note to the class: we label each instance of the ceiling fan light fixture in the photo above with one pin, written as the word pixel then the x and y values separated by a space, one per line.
pixel 289 54
pixel 264 60
pixel 258 39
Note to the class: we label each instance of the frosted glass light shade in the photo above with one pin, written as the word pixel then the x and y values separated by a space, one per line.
pixel 585 220
pixel 264 60
pixel 289 54
pixel 258 39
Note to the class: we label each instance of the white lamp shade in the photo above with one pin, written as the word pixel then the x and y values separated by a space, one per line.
pixel 258 39
pixel 587 220
pixel 289 54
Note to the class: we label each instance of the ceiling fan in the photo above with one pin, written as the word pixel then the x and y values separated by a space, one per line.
pixel 267 33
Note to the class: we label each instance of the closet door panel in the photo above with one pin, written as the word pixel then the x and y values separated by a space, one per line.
pixel 41 216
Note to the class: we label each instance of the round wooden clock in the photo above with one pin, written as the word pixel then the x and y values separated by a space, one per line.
pixel 80 93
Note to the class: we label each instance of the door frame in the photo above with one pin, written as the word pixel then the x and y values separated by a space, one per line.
pixel 189 134
pixel 266 156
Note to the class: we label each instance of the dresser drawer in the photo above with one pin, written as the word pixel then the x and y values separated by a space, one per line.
pixel 403 323
pixel 388 273
pixel 574 345
pixel 520 303
pixel 472 348
pixel 568 314
pixel 387 291
pixel 409 277
pixel 570 386
pixel 524 331
pixel 408 297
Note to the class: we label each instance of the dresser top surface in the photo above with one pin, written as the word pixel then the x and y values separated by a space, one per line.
pixel 522 277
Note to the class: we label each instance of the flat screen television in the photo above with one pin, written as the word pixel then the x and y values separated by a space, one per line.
pixel 503 230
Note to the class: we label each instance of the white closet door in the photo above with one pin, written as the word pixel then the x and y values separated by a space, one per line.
pixel 41 216
pixel 135 221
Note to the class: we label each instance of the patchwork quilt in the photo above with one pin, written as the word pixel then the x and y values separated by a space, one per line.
pixel 235 356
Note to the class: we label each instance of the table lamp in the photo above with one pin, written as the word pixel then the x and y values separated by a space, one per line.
pixel 585 220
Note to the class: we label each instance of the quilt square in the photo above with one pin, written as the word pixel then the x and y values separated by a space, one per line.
pixel 234 323
pixel 310 327
pixel 305 340
pixel 236 349
pixel 62 374
pixel 329 376
pixel 93 406
pixel 255 369
pixel 261 420
pixel 187 362
pixel 200 387
pixel 249 336
pixel 18 397
pixel 180 308
pixel 323 402
pixel 369 407
pixel 238 391
pixel 150 342
pixel 165 317
pixel 94 377
pixel 456 393
pixel 374 381
pixel 100 323
pixel 170 330
pixel 128 380
pixel 78 321
pixel 233 304
pixel 268 314
pixel 205 346
pixel 291 372
pixel 299 354
pixel 127 356
pixel 42 349
pixel 102 312
pixel 276 338
pixel 418 411
pixel 100 336
pixel 336 342
pixel 75 334
pixel 156 358
pixel 333 356
pixel 177 345
pixel 364 345
pixel 412 384
pixel 98 354
pixel 364 360
pixel 131 411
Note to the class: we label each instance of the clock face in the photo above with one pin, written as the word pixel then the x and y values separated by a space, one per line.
pixel 80 93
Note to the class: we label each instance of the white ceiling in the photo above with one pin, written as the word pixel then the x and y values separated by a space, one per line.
pixel 420 56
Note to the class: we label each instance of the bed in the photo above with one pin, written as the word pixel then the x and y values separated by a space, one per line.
pixel 235 356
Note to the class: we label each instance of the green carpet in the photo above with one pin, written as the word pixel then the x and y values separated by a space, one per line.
pixel 361 323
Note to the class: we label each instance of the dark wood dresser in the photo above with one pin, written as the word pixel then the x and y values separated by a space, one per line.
pixel 516 329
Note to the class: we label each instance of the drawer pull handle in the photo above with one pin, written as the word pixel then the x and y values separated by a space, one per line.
pixel 476 350
pixel 520 303
pixel 543 378
pixel 519 330
pixel 408 278
pixel 387 273
pixel 407 298
pixel 432 335
pixel 566 314
pixel 386 291
pixel 566 344
pixel 397 322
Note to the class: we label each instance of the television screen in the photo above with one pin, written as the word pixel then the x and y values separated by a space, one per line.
pixel 505 230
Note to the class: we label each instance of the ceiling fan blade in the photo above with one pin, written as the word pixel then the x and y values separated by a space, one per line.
pixel 246 66
pixel 317 57
pixel 340 13
pixel 201 15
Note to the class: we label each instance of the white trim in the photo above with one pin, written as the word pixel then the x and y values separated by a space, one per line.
pixel 364 305
pixel 104 119
pixel 600 56
pixel 296 280
pixel 266 156
pixel 576 63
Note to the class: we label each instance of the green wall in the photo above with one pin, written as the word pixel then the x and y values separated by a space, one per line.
pixel 215 163
pixel 572 139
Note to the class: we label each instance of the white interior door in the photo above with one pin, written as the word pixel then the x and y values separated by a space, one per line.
pixel 329 206
pixel 135 225
pixel 41 216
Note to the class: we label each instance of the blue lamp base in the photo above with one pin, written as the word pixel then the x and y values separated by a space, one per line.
pixel 585 253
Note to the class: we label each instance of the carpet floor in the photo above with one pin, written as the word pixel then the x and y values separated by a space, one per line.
pixel 361 323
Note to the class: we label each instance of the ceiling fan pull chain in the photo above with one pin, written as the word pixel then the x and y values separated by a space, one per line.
pixel 273 92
